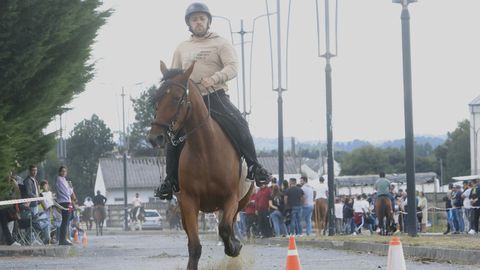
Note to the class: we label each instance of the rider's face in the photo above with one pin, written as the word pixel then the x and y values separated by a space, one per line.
pixel 198 23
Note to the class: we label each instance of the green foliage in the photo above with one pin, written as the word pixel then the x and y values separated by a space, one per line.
pixel 44 48
pixel 89 140
pixel 455 152
pixel 144 113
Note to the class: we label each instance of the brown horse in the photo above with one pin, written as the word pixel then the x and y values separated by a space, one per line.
pixel 321 215
pixel 209 165
pixel 99 215
pixel 87 217
pixel 383 209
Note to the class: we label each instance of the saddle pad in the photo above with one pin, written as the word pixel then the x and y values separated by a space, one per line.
pixel 245 183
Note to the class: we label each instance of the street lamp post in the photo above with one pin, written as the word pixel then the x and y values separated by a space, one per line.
pixel 125 219
pixel 328 85
pixel 408 110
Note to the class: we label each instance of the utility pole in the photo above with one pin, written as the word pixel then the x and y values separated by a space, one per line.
pixel 280 99
pixel 328 85
pixel 124 165
pixel 409 139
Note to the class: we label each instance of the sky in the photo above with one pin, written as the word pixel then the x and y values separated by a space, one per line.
pixel 367 71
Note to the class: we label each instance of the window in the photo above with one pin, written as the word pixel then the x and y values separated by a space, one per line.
pixel 118 199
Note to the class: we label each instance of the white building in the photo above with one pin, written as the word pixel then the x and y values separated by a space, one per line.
pixel 474 132
pixel 143 176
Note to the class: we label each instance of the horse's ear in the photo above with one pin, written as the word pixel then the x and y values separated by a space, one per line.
pixel 163 67
pixel 189 70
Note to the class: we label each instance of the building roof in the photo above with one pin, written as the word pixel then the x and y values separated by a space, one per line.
pixel 475 102
pixel 291 165
pixel 369 180
pixel 141 172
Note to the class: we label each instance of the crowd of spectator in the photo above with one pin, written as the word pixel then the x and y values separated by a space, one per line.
pixel 53 219
pixel 286 209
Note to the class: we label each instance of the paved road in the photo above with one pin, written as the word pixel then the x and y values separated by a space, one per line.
pixel 161 250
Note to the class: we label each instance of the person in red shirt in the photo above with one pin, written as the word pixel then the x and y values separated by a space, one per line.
pixel 250 215
pixel 261 205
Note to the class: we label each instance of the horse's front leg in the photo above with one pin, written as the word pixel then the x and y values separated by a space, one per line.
pixel 190 224
pixel 225 228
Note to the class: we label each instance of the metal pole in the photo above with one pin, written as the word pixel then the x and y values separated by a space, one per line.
pixel 280 99
pixel 124 166
pixel 242 34
pixel 409 139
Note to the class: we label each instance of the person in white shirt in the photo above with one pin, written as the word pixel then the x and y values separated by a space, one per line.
pixel 308 200
pixel 467 204
pixel 321 206
pixel 338 216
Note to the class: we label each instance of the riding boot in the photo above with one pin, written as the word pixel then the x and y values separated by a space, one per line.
pixel 170 184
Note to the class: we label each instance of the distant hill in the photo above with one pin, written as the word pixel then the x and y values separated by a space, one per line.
pixel 268 144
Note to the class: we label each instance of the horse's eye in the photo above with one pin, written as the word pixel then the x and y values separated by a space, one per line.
pixel 176 100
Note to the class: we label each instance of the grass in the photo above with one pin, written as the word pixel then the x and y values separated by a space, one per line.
pixel 464 242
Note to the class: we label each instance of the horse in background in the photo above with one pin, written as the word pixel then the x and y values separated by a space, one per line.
pixel 87 217
pixel 99 215
pixel 321 216
pixel 137 217
pixel 383 209
pixel 209 173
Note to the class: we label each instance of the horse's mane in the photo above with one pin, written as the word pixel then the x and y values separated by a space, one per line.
pixel 169 74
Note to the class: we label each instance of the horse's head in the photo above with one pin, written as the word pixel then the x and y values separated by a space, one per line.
pixel 172 105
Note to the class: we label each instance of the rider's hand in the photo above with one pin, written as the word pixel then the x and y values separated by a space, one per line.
pixel 207 82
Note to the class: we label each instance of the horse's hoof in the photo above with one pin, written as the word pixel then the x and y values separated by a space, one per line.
pixel 235 251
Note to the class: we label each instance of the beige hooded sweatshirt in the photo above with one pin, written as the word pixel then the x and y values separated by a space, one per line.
pixel 215 58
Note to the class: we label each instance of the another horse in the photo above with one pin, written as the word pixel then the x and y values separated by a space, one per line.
pixel 383 209
pixel 209 165
pixel 321 216
pixel 99 215
pixel 137 217
pixel 87 217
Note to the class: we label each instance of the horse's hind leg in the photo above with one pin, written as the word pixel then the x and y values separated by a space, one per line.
pixel 225 229
pixel 190 224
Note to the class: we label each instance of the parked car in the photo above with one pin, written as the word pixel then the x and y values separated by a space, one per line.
pixel 153 220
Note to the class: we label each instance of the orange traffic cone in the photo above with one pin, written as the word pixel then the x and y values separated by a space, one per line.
pixel 75 237
pixel 293 261
pixel 396 260
pixel 84 239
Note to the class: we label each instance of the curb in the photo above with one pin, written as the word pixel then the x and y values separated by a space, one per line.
pixel 448 255
pixel 39 251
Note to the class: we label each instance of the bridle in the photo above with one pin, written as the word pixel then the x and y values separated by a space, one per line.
pixel 169 126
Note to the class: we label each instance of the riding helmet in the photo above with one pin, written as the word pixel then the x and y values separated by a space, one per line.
pixel 197 7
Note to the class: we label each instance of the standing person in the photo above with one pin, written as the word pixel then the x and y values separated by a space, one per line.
pixel 215 64
pixel 348 215
pixel 9 212
pixel 261 206
pixel 250 215
pixel 294 198
pixel 474 197
pixel 457 202
pixel 277 207
pixel 423 206
pixel 64 194
pixel 321 206
pixel 467 205
pixel 136 204
pixel 307 208
pixel 338 216
pixel 32 188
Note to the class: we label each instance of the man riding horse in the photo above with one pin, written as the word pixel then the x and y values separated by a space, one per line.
pixel 216 64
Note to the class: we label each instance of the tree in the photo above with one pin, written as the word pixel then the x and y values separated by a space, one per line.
pixel 44 49
pixel 90 140
pixel 455 152
pixel 365 160
pixel 144 113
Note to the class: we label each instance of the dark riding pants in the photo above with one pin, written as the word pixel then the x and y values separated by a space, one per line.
pixel 232 123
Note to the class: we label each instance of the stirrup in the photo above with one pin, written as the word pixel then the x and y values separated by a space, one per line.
pixel 165 191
